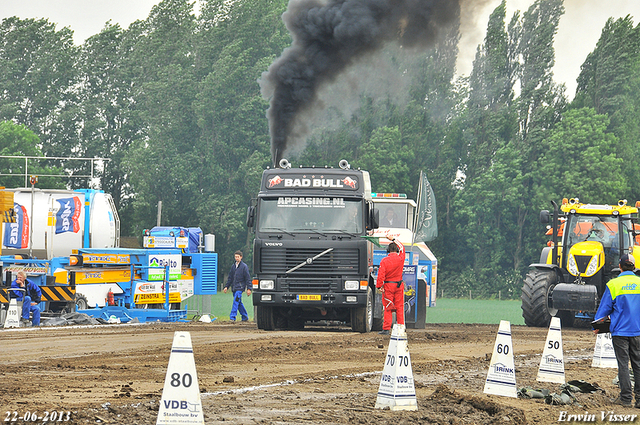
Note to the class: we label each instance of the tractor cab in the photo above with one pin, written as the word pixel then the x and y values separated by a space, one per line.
pixel 573 271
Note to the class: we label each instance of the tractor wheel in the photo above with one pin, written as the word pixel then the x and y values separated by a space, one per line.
pixel 534 297
pixel 264 318
pixel 81 302
pixel 567 318
pixel 362 318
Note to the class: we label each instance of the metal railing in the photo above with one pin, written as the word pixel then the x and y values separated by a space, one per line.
pixel 52 158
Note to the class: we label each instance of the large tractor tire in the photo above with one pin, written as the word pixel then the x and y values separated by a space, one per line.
pixel 362 317
pixel 534 297
pixel 265 318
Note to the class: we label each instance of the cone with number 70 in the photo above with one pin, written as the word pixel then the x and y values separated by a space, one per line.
pixel 181 403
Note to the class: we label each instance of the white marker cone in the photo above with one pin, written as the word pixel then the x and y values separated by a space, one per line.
pixel 603 354
pixel 180 403
pixel 13 315
pixel 552 362
pixel 501 377
pixel 397 390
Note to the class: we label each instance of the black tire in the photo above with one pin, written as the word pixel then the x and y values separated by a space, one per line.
pixel 362 317
pixel 377 324
pixel 295 322
pixel 264 318
pixel 81 302
pixel 281 321
pixel 567 318
pixel 534 297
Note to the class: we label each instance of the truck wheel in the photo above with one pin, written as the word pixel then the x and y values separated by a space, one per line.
pixel 534 297
pixel 362 318
pixel 377 325
pixel 264 318
pixel 280 321
pixel 81 302
pixel 295 322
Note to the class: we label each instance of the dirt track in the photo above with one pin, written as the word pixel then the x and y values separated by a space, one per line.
pixel 114 374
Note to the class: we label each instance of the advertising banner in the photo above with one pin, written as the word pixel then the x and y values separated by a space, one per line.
pixel 68 216
pixel 16 235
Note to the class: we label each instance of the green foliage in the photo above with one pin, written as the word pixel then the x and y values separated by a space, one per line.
pixel 174 102
pixel 609 83
pixel 580 157
pixel 18 140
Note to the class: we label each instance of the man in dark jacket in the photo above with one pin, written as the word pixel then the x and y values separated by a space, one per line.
pixel 30 297
pixel 239 280
pixel 621 302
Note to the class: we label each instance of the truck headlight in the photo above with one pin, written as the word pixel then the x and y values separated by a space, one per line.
pixel 351 285
pixel 572 266
pixel 266 284
pixel 592 268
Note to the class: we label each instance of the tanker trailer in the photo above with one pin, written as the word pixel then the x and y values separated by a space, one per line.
pixel 53 223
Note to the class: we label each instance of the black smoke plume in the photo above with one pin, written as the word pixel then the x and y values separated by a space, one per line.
pixel 330 35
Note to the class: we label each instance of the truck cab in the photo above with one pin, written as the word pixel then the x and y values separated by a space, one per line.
pixel 311 257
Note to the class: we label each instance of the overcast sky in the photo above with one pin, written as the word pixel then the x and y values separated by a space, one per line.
pixel 580 27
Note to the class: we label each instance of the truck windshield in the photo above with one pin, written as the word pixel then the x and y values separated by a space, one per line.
pixel 310 214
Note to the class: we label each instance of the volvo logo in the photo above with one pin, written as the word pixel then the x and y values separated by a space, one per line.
pixel 273 243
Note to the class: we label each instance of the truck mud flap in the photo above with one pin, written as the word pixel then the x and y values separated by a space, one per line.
pixel 570 296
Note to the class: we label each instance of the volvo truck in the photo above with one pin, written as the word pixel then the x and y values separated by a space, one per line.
pixel 312 251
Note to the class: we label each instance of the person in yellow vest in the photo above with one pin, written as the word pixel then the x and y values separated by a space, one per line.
pixel 621 303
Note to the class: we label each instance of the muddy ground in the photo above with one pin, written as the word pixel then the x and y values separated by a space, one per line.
pixel 114 374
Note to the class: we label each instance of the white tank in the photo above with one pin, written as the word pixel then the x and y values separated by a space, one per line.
pixel 42 241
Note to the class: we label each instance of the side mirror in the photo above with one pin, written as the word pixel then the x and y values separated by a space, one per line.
pixel 545 218
pixel 374 218
pixel 251 216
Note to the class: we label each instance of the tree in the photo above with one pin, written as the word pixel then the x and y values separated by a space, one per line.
pixel 580 160
pixel 164 87
pixel 609 82
pixel 18 140
pixel 386 159
pixel 37 69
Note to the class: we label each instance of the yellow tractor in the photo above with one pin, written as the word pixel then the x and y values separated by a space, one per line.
pixel 582 256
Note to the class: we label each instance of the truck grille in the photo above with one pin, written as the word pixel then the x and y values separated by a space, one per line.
pixel 336 263
pixel 308 285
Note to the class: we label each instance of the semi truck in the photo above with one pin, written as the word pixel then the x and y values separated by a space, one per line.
pixel 312 259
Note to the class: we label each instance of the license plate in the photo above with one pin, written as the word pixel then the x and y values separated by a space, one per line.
pixel 305 297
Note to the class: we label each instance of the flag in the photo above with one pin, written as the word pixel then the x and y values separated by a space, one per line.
pixel 16 235
pixel 373 239
pixel 67 217
pixel 426 220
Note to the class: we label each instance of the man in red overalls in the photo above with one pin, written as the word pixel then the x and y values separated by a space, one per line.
pixel 390 281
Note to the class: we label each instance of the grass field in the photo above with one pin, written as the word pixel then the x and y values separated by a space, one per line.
pixel 447 310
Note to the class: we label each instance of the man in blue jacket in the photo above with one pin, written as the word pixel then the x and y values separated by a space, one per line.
pixel 239 280
pixel 621 302
pixel 30 297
